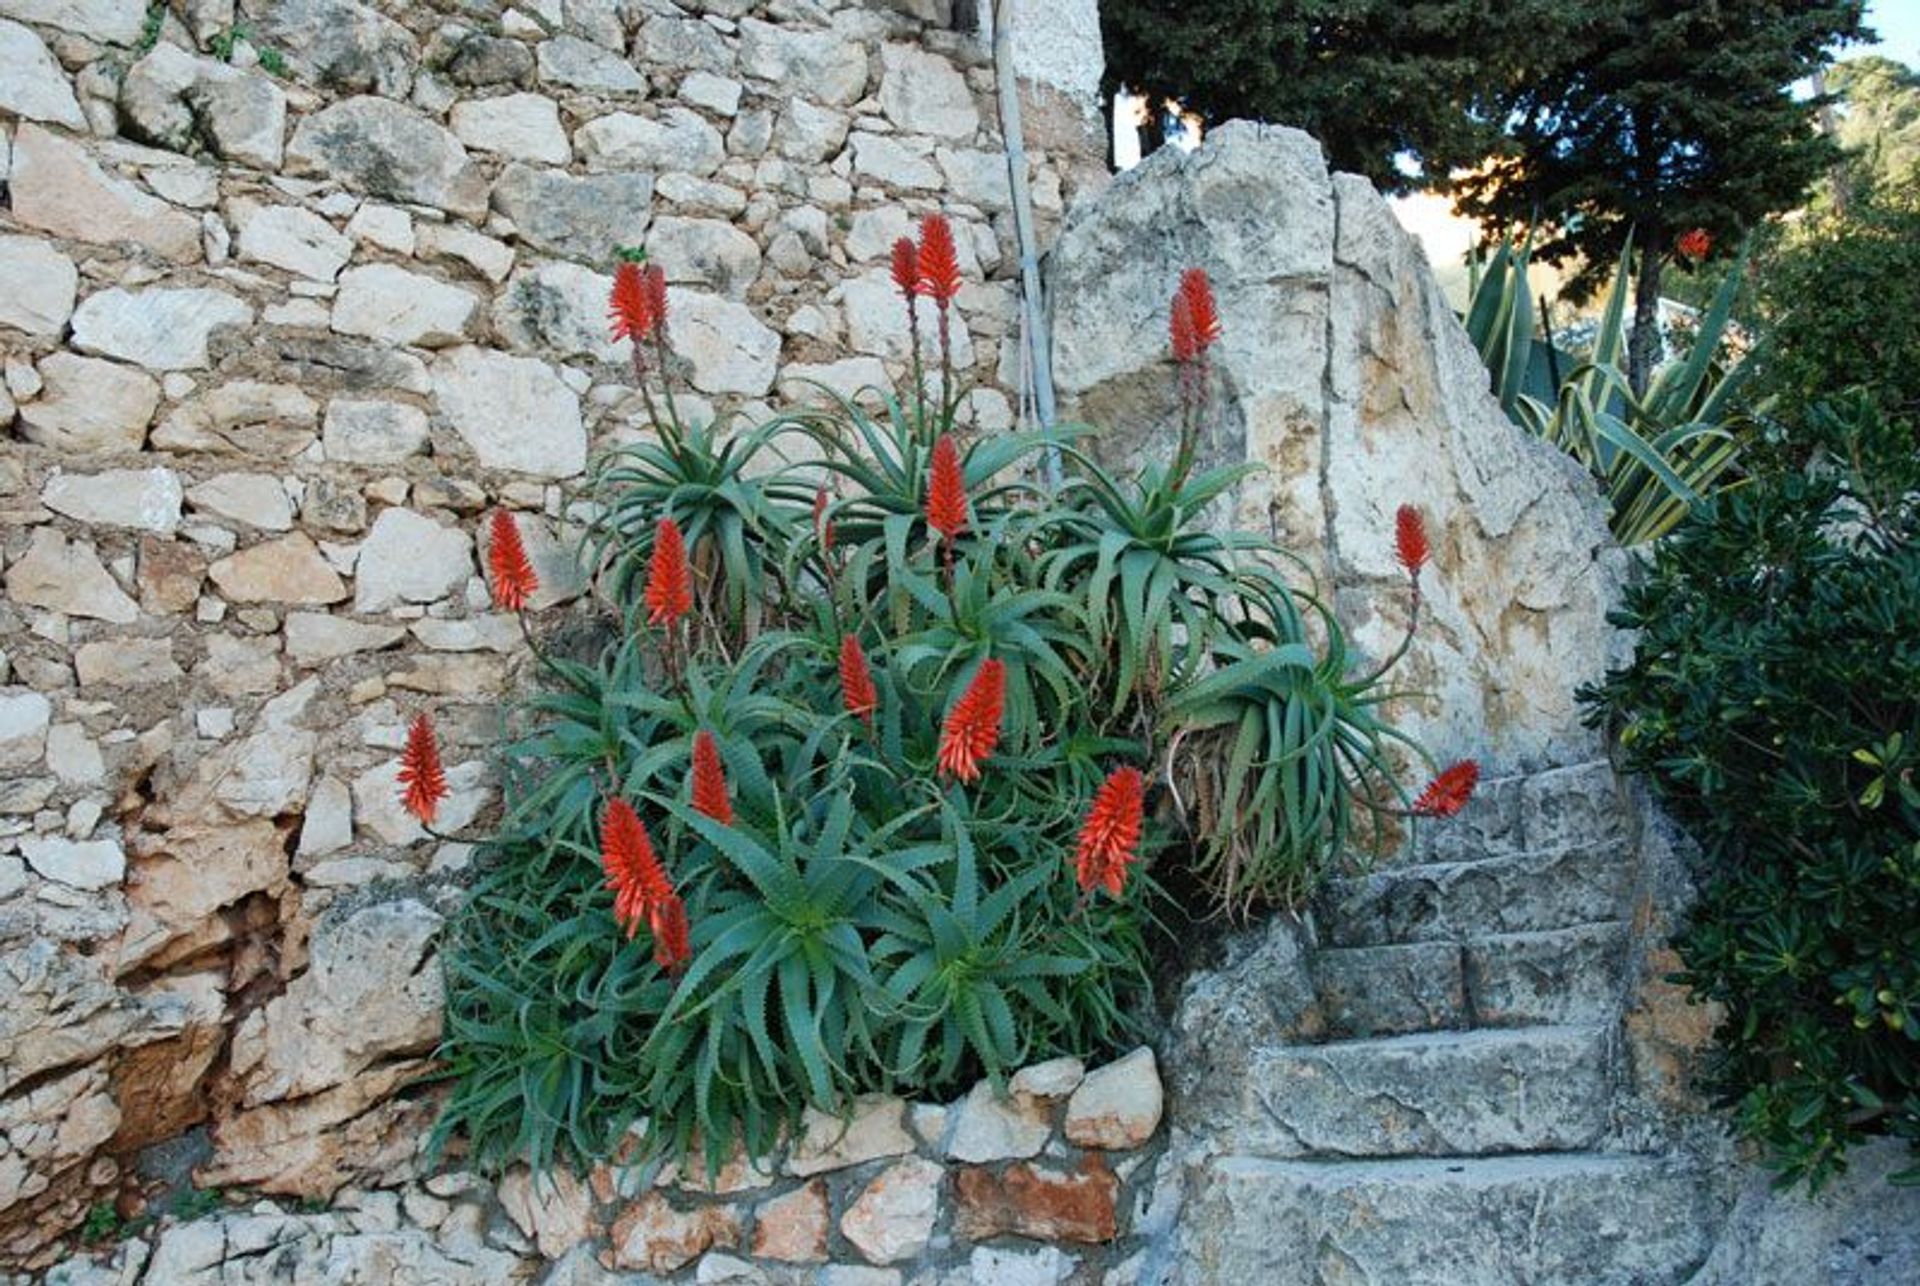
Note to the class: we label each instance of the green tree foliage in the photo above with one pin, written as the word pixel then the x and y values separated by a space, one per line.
pixel 1775 704
pixel 1840 302
pixel 1659 117
pixel 1877 120
pixel 1376 81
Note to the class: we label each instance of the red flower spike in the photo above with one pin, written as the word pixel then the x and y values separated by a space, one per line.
pixel 1694 245
pixel 822 525
pixel 669 580
pixel 1110 839
pixel 1448 793
pixel 946 490
pixel 1180 329
pixel 631 306
pixel 514 580
pixel 1410 539
pixel 973 725
pixel 906 267
pixel 939 260
pixel 641 890
pixel 1197 291
pixel 625 851
pixel 856 681
pixel 710 780
pixel 423 783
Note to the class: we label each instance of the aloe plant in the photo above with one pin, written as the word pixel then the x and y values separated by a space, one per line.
pixel 917 677
pixel 1655 455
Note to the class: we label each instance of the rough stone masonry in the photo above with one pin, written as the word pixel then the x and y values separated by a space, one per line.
pixel 291 292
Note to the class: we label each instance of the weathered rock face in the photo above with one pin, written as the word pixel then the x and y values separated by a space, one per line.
pixel 1345 373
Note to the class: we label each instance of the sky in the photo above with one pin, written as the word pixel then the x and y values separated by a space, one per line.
pixel 1898 22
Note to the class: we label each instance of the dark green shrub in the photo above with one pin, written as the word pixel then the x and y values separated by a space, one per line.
pixel 1840 302
pixel 1775 704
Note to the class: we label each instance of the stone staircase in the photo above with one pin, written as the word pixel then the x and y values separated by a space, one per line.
pixel 1461 1122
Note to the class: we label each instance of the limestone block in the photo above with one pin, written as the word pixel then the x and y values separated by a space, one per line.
pixel 142 499
pixel 31 81
pixel 582 217
pixel 37 286
pixel 158 328
pixel 515 412
pixel 525 127
pixel 57 187
pixel 386 149
pixel 343 45
pixel 298 240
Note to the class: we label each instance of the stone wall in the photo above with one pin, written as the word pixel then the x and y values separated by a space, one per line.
pixel 292 292
pixel 1058 1178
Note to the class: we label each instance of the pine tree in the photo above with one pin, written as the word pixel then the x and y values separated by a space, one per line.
pixel 1659 117
pixel 1381 83
pixel 1599 116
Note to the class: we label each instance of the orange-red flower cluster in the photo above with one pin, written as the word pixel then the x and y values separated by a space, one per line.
pixel 1410 539
pixel 641 890
pixel 710 796
pixel 514 580
pixel 856 681
pixel 639 301
pixel 973 725
pixel 1695 244
pixel 946 490
pixel 1194 323
pixel 906 267
pixel 1110 839
pixel 1448 793
pixel 423 783
pixel 939 260
pixel 669 580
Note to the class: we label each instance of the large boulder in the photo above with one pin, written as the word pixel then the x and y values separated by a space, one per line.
pixel 1343 370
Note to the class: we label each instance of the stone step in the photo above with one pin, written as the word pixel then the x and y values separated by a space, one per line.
pixel 1456 1093
pixel 1551 978
pixel 1580 804
pixel 1392 990
pixel 1459 901
pixel 1552 1219
pixel 1560 976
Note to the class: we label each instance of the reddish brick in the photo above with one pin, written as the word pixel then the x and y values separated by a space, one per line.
pixel 1045 1204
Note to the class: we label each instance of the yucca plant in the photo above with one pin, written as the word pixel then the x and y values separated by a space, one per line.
pixel 1655 455
pixel 856 796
